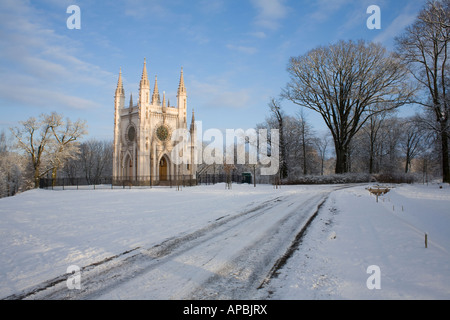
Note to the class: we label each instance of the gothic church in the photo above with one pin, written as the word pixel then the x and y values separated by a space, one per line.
pixel 142 136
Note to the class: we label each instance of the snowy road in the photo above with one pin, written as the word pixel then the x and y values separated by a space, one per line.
pixel 229 258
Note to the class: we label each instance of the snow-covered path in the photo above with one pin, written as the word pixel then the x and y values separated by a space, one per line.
pixel 207 254
pixel 230 258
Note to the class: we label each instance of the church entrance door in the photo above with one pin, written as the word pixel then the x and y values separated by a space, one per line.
pixel 163 169
pixel 128 168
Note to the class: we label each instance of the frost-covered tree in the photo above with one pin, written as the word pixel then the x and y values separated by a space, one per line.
pixel 47 141
pixel 12 166
pixel 65 144
pixel 322 144
pixel 412 140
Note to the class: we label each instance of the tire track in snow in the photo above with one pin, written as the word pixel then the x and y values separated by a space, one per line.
pixel 242 276
pixel 239 276
pixel 116 269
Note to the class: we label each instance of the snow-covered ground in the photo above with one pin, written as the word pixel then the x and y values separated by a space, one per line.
pixel 161 243
pixel 354 232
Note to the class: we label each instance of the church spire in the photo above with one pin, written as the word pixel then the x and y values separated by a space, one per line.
pixel 119 89
pixel 181 87
pixel 144 89
pixel 131 100
pixel 156 98
pixel 144 78
pixel 193 126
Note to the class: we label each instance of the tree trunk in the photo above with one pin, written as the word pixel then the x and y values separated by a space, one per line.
pixel 37 178
pixel 305 171
pixel 341 159
pixel 445 158
pixel 283 164
pixel 371 155
pixel 54 171
pixel 407 162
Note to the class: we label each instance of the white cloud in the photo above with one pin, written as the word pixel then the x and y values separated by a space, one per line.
pixel 242 49
pixel 270 12
pixel 38 66
pixel 44 98
pixel 258 34
pixel 145 9
pixel 326 8
pixel 396 27
pixel 218 94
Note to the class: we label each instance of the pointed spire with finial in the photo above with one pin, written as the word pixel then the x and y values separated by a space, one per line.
pixel 156 99
pixel 144 78
pixel 181 87
pixel 119 89
pixel 131 100
pixel 193 126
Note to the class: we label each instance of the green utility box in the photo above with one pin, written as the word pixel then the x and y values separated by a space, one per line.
pixel 246 177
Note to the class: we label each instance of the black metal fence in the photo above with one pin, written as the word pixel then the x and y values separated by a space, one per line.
pixel 114 182
pixel 220 178
pixel 146 181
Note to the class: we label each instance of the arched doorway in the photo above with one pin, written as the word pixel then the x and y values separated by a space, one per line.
pixel 163 169
pixel 128 168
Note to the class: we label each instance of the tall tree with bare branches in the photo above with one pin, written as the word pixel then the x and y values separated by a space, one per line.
pixel 347 83
pixel 275 109
pixel 47 141
pixel 66 135
pixel 424 46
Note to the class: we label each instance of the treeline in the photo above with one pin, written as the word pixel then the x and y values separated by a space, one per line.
pixel 355 86
pixel 94 161
pixel 23 165
pixel 387 148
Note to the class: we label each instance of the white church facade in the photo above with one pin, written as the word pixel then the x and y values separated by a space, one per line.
pixel 143 136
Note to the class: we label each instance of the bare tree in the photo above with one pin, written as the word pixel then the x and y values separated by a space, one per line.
pixel 305 131
pixel 95 160
pixel 65 144
pixel 12 166
pixel 424 46
pixel 275 109
pixel 322 144
pixel 33 137
pixel 42 140
pixel 411 140
pixel 347 83
pixel 372 130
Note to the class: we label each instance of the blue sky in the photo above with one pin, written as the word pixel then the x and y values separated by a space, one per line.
pixel 234 53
